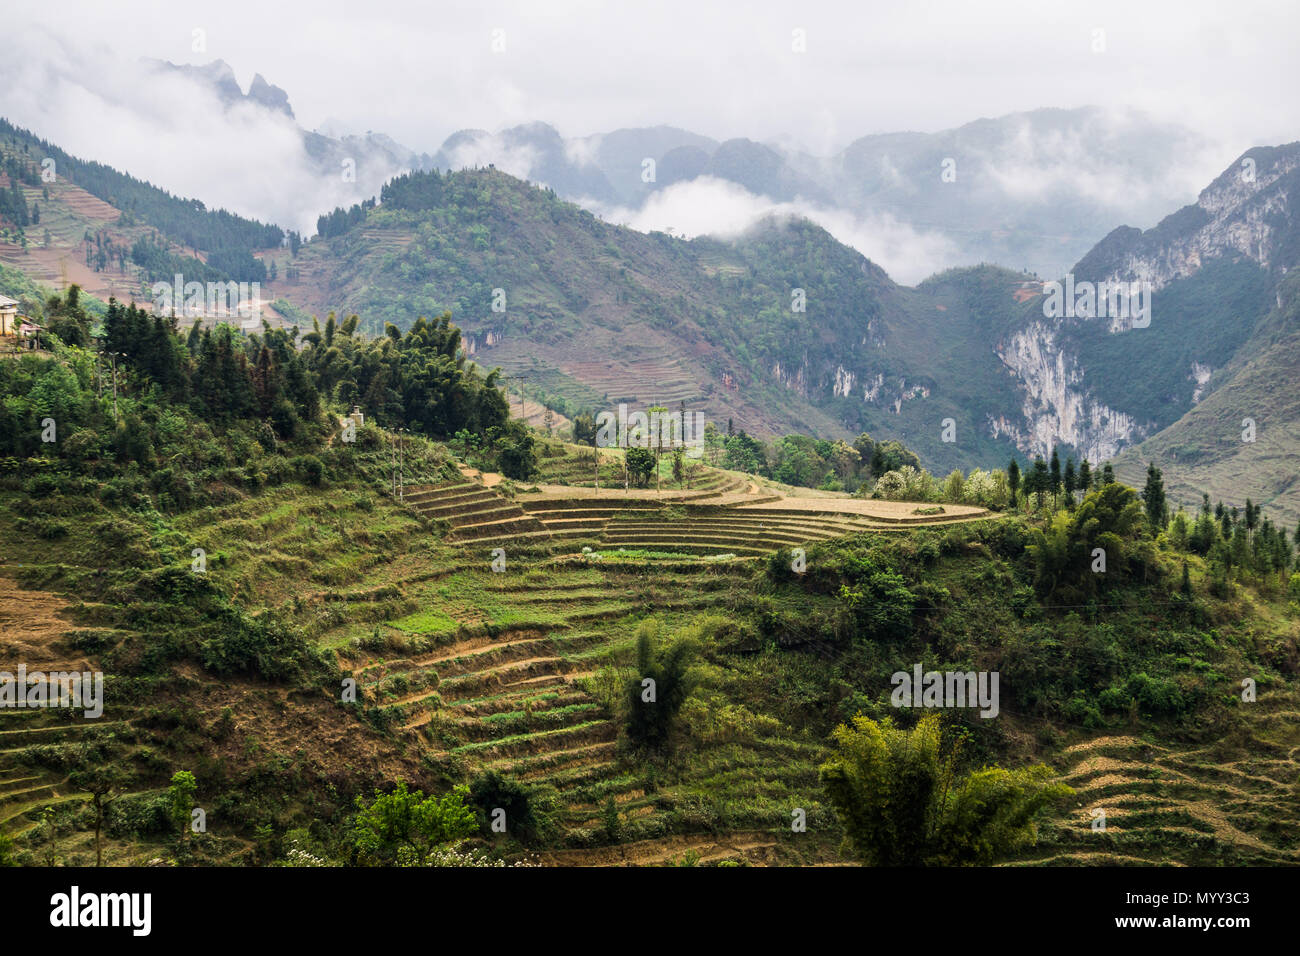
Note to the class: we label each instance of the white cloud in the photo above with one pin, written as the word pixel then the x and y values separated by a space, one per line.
pixel 173 131
pixel 582 151
pixel 1088 163
pixel 421 71
pixel 716 207
pixel 491 149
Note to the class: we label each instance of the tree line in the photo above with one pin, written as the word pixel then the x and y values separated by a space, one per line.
pixel 280 378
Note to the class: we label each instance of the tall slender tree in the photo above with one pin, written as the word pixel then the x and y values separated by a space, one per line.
pixel 1054 472
pixel 1039 481
pixel 1153 495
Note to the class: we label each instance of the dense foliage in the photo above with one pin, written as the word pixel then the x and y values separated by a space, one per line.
pixel 903 802
pixel 405 827
pixel 275 384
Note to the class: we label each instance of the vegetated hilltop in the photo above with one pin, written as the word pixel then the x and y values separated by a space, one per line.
pixel 1239 438
pixel 1212 354
pixel 783 329
pixel 710 323
pixel 593 313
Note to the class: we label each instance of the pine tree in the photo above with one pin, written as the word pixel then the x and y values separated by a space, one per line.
pixel 1039 481
pixel 1154 497
pixel 1013 480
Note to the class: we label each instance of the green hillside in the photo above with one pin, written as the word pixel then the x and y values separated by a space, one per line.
pixel 300 612
pixel 595 314
pixel 1204 450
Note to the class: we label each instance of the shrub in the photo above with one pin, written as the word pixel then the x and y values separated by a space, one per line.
pixel 657 690
pixel 640 465
pixel 139 815
pixel 902 802
pixel 310 468
pixel 491 792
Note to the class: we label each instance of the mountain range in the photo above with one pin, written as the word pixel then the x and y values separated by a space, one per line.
pixel 1030 191
pixel 783 327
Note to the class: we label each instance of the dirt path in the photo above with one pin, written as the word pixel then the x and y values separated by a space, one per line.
pixel 490 479
pixel 33 624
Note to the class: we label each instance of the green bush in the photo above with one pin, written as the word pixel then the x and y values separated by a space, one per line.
pixel 491 792
pixel 310 469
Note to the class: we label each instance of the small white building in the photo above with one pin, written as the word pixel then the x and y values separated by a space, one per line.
pixel 8 316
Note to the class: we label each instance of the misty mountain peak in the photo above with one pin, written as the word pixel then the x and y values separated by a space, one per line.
pixel 272 97
pixel 220 78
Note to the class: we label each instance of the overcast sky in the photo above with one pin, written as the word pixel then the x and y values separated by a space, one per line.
pixel 419 70
pixel 74 72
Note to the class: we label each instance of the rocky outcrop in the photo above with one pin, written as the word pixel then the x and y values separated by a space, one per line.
pixel 1057 409
pixel 1247 212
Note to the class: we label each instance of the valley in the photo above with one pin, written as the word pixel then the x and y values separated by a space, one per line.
pixel 369 583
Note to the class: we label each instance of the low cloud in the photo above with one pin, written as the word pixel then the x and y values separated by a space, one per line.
pixel 583 150
pixel 716 207
pixel 1102 162
pixel 491 149
pixel 174 131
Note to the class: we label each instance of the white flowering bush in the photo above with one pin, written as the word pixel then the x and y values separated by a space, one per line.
pixel 464 856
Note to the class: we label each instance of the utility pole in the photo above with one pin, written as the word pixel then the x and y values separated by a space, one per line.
pixel 401 465
pixel 113 359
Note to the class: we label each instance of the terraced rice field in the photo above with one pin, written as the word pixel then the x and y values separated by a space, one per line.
pixel 727 516
pixel 473 512
pixel 646 381
pixel 533 413
pixel 515 679
pixel 35 628
pixel 30 741
pixel 510 671
pixel 1235 801
pixel 722 513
